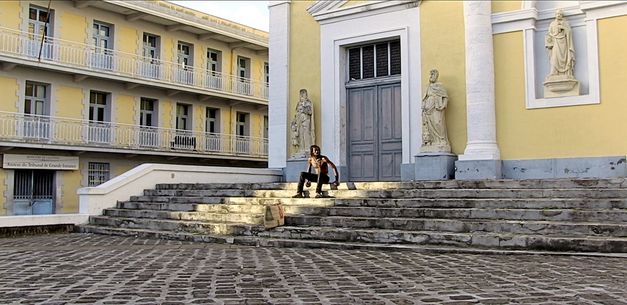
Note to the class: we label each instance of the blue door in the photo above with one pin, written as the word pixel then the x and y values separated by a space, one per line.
pixel 33 192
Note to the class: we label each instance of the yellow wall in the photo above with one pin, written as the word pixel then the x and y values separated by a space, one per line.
pixel 442 48
pixel 70 182
pixel 506 6
pixel 127 39
pixel 304 64
pixel 71 26
pixel 10 88
pixel 574 131
pixel 167 111
pixel 69 101
pixel 10 16
pixel 123 112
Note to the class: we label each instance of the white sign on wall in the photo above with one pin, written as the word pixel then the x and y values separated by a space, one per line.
pixel 39 162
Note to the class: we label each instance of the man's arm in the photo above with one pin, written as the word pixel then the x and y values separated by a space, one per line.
pixel 309 165
pixel 337 176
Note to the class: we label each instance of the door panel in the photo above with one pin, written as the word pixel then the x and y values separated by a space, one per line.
pixel 390 135
pixel 33 192
pixel 362 134
pixel 375 133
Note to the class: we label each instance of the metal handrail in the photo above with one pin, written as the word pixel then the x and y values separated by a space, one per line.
pixel 43 129
pixel 116 63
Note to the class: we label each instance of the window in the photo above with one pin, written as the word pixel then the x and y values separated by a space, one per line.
pixel 212 127
pixel 213 120
pixel 98 173
pixel 36 99
pixel 265 126
pixel 38 19
pixel 242 142
pixel 182 117
pixel 147 111
pixel 374 60
pixel 266 73
pixel 102 56
pixel 214 67
pixel 39 24
pixel 243 67
pixel 184 55
pixel 214 61
pixel 242 124
pixel 99 130
pixel 102 37
pixel 148 134
pixel 98 110
pixel 36 123
pixel 151 48
pixel 184 138
pixel 243 71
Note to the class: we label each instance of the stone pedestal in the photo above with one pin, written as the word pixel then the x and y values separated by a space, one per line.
pixel 558 86
pixel 291 173
pixel 435 166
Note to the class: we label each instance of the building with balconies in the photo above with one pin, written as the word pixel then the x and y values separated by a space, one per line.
pixel 91 89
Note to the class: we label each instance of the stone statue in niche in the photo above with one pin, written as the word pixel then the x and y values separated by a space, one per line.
pixel 302 126
pixel 434 102
pixel 559 44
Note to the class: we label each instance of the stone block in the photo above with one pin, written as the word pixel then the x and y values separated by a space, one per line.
pixel 588 167
pixel 478 169
pixel 291 172
pixel 434 166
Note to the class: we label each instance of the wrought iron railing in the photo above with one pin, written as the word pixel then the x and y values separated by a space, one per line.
pixel 41 129
pixel 115 63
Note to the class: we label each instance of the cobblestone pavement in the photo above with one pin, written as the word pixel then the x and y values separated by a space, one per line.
pixel 93 269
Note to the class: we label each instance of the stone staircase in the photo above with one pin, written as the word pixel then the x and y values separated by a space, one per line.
pixel 565 215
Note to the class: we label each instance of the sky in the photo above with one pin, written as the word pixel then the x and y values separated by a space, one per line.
pixel 251 13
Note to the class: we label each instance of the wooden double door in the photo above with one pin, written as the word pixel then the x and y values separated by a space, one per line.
pixel 374 133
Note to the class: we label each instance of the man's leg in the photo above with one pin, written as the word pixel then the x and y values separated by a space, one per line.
pixel 322 179
pixel 301 182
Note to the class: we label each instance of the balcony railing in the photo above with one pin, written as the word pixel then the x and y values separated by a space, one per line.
pixel 39 129
pixel 115 63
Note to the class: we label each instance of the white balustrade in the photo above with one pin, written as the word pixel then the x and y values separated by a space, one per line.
pixel 41 129
pixel 115 63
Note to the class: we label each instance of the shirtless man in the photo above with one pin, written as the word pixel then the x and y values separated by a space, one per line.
pixel 321 164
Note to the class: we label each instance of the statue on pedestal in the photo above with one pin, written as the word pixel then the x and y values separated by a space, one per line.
pixel 302 126
pixel 434 102
pixel 559 44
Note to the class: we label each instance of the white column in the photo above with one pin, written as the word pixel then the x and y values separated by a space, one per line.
pixel 481 115
pixel 279 83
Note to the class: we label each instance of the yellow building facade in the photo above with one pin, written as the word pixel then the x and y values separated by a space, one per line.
pixel 493 61
pixel 92 89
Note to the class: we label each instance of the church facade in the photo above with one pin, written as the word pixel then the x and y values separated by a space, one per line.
pixel 523 89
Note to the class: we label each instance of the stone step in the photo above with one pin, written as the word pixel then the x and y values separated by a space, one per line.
pixel 477 242
pixel 615 216
pixel 462 225
pixel 468 184
pixel 226 217
pixel 194 207
pixel 199 227
pixel 483 203
pixel 165 195
pixel 459 240
pixel 156 234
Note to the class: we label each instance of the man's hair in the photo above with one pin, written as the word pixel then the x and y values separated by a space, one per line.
pixel 311 148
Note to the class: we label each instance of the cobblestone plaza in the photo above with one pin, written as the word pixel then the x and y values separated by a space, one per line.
pixel 94 269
